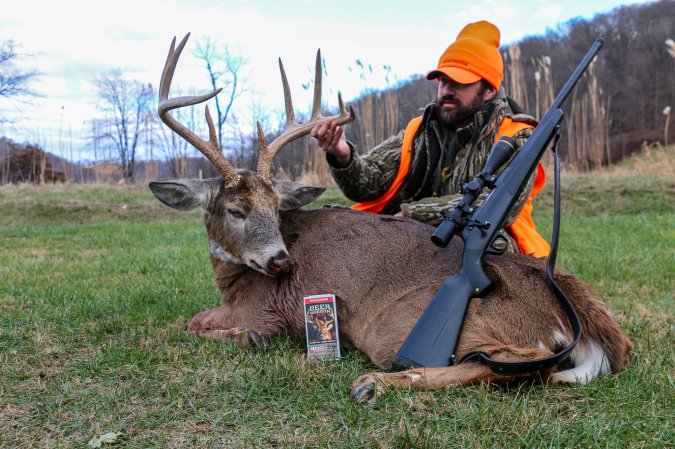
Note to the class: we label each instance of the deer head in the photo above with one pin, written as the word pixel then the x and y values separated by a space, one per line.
pixel 241 208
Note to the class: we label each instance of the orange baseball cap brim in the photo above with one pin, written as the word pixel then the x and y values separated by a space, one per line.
pixel 456 74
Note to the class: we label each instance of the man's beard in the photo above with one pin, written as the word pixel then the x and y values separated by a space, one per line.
pixel 461 114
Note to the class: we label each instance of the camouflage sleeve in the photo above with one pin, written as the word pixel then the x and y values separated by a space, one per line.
pixel 368 177
pixel 428 210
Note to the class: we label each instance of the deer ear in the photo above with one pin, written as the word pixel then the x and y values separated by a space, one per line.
pixel 293 195
pixel 184 194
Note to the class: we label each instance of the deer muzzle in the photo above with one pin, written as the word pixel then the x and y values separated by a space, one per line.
pixel 279 263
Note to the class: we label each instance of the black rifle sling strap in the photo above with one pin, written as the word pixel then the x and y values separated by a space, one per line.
pixel 514 368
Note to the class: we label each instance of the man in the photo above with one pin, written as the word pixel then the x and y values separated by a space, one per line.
pixel 418 173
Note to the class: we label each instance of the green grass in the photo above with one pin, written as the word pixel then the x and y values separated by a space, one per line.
pixel 97 284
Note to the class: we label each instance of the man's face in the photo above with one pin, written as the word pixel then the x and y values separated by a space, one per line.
pixel 457 103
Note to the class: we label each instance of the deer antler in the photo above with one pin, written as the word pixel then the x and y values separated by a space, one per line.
pixel 208 148
pixel 293 129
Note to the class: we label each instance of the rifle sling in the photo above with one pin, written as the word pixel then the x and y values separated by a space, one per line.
pixel 515 368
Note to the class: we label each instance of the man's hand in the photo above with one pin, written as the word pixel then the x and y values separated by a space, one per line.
pixel 332 140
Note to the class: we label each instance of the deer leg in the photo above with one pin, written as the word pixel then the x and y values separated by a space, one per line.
pixel 243 337
pixel 220 324
pixel 369 387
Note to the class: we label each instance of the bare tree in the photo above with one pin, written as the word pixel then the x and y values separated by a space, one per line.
pixel 225 70
pixel 125 103
pixel 14 80
pixel 175 150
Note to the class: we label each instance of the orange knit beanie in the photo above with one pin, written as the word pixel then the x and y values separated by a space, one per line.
pixel 474 55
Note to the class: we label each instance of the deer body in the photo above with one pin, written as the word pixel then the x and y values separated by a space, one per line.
pixel 267 255
pixel 384 272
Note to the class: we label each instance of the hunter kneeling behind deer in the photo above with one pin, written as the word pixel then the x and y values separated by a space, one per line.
pixel 383 270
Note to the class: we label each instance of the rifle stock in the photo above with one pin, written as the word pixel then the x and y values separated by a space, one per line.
pixel 433 340
pixel 438 320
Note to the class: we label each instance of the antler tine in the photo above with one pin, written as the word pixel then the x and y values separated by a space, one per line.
pixel 264 155
pixel 318 72
pixel 294 130
pixel 164 87
pixel 288 101
pixel 344 116
pixel 208 148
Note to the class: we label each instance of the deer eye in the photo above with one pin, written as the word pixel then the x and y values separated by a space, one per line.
pixel 236 213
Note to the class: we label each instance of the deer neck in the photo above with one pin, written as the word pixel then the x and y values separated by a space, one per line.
pixel 217 252
pixel 241 286
pixel 228 269
pixel 235 278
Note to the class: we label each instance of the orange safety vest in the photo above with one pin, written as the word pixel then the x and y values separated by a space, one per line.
pixel 522 229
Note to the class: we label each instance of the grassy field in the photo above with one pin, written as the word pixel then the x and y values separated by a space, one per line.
pixel 97 284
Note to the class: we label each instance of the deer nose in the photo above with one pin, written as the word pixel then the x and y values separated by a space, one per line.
pixel 278 263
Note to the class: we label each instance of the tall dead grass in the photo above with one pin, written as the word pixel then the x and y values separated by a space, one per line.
pixel 543 85
pixel 378 117
pixel 655 161
pixel 588 126
pixel 514 76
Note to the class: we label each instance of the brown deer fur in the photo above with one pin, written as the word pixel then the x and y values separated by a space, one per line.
pixel 383 271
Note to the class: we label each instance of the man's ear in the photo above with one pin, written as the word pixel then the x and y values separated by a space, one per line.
pixel 293 195
pixel 489 93
pixel 186 194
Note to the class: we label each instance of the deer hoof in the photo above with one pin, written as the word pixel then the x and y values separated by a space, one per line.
pixel 256 340
pixel 366 389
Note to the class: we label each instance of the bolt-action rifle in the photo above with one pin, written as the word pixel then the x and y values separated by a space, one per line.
pixel 433 340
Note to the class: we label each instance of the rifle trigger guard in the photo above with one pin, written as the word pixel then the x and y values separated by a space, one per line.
pixel 502 244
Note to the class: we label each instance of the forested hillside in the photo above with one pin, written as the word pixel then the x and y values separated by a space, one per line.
pixel 616 108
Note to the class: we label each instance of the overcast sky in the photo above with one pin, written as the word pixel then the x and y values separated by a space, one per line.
pixel 73 41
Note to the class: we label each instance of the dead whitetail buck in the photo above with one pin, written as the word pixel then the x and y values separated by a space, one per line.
pixel 267 254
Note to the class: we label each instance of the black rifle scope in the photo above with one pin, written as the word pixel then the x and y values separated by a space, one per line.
pixel 453 220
